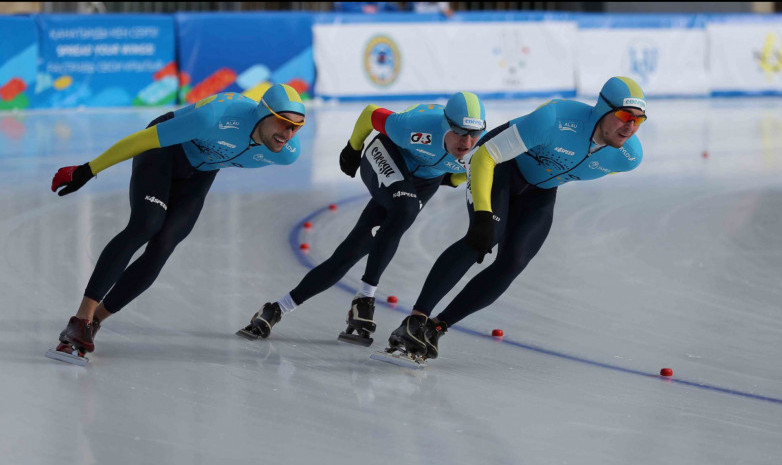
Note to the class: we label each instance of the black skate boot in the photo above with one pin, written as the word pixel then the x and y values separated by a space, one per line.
pixel 359 319
pixel 410 335
pixel 261 323
pixel 432 333
pixel 75 340
pixel 407 344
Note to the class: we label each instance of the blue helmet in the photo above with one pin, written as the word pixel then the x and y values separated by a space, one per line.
pixel 280 98
pixel 465 110
pixel 620 92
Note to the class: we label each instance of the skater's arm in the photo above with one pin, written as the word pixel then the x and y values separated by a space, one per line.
pixel 373 117
pixel 183 127
pixel 454 179
pixel 631 155
pixel 511 140
pixel 128 147
pixel 481 178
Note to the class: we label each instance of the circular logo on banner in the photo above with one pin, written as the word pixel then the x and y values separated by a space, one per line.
pixel 382 61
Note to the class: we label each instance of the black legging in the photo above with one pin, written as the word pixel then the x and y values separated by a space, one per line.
pixel 526 213
pixel 394 208
pixel 166 197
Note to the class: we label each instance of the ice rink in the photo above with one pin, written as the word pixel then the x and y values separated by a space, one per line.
pixel 677 264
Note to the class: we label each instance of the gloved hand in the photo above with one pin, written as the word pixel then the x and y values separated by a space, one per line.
pixel 72 177
pixel 349 160
pixel 480 236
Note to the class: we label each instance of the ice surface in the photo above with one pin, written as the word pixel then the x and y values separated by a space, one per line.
pixel 676 264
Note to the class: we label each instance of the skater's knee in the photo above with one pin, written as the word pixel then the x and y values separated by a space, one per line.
pixel 160 248
pixel 511 266
pixel 144 227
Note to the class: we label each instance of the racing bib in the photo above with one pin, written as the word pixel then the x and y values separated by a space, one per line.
pixel 382 163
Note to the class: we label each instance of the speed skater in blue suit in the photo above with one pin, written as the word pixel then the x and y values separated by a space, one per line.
pixel 513 180
pixel 414 153
pixel 175 161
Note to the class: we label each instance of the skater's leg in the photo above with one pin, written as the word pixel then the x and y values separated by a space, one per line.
pixel 401 212
pixel 401 215
pixel 355 246
pixel 391 185
pixel 101 313
pixel 151 179
pixel 457 259
pixel 389 182
pixel 187 200
pixel 530 220
pixel 87 308
pixel 151 176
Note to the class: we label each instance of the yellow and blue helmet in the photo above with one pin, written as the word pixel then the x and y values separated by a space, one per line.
pixel 465 113
pixel 280 98
pixel 619 92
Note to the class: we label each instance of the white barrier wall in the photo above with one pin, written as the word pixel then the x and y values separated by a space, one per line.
pixel 670 62
pixel 745 57
pixel 520 54
pixel 412 59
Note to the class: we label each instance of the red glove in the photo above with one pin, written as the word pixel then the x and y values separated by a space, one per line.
pixel 72 177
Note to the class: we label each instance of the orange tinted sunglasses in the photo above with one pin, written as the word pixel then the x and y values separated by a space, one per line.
pixel 296 124
pixel 625 117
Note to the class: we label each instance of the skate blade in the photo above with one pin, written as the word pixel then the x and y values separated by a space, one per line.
pixel 355 339
pixel 66 357
pixel 249 335
pixel 399 358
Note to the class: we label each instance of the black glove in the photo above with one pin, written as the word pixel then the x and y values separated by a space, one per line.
pixel 446 181
pixel 72 177
pixel 349 160
pixel 480 236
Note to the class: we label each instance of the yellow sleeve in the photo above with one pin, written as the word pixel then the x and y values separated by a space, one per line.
pixel 481 179
pixel 363 127
pixel 458 179
pixel 128 147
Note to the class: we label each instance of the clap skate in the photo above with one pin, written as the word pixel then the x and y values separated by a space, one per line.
pixel 75 340
pixel 261 323
pixel 399 356
pixel 66 352
pixel 406 345
pixel 360 320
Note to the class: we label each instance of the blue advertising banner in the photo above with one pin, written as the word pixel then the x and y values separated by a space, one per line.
pixel 106 60
pixel 18 60
pixel 244 53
